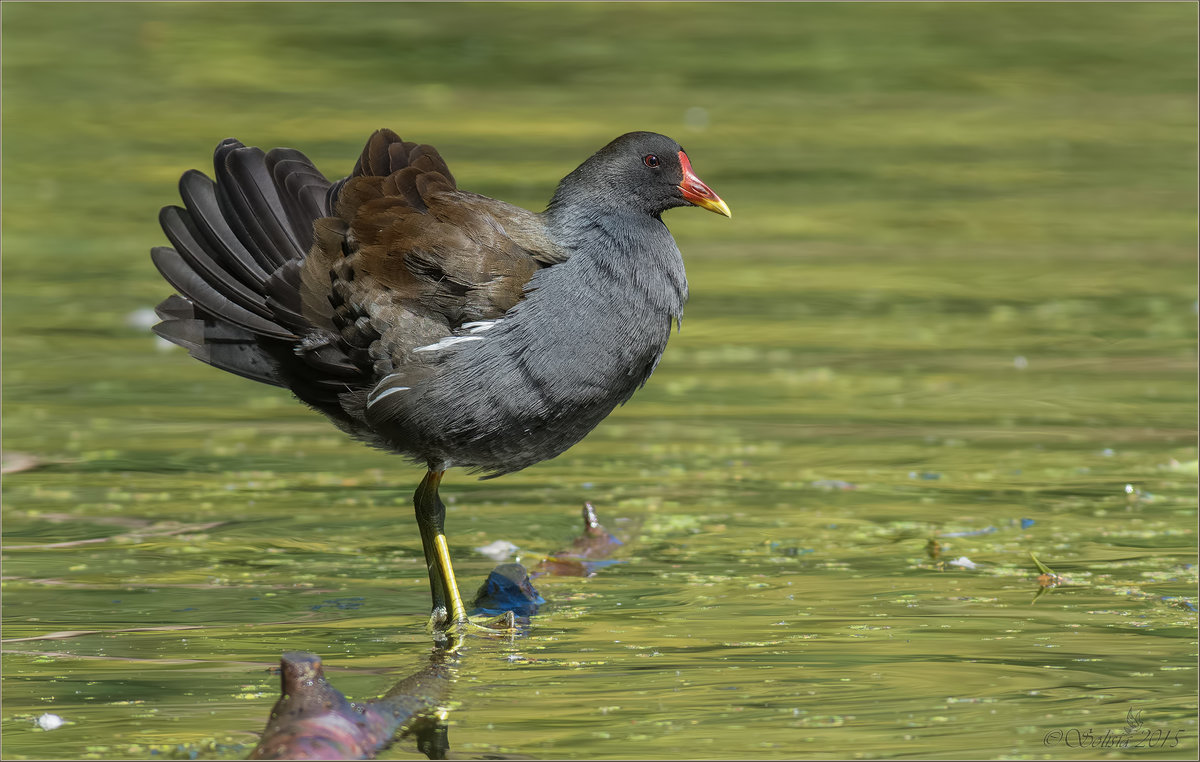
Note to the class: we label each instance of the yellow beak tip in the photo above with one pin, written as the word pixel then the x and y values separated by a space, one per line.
pixel 714 205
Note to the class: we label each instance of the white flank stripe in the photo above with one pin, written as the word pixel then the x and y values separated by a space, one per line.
pixel 479 326
pixel 449 341
pixel 383 394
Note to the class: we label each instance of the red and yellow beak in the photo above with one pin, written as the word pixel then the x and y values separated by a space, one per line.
pixel 696 192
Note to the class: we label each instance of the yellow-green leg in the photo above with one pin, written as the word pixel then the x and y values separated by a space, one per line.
pixel 448 609
pixel 449 614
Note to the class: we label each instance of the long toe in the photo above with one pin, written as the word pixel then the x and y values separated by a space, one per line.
pixel 503 626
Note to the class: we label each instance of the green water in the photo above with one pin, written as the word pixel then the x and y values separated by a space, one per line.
pixel 960 277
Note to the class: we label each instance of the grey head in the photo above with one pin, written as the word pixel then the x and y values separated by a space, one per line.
pixel 639 173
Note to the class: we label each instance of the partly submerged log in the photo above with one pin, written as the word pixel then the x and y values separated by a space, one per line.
pixel 587 553
pixel 314 720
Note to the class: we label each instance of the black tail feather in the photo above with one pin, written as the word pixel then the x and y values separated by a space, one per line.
pixel 178 226
pixel 187 333
pixel 189 284
pixel 303 188
pixel 200 196
pixel 218 344
pixel 252 177
pixel 236 263
pixel 237 208
pixel 242 358
pixel 175 307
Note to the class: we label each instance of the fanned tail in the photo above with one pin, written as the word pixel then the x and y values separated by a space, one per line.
pixel 260 260
pixel 237 243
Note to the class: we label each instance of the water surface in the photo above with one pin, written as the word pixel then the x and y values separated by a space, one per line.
pixel 957 302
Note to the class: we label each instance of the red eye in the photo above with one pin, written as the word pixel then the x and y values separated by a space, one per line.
pixel 651 161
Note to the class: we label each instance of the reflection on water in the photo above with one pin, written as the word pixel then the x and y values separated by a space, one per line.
pixel 956 310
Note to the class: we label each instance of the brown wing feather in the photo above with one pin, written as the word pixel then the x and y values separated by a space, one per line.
pixel 407 258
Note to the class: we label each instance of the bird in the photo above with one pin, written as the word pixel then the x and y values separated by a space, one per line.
pixel 454 329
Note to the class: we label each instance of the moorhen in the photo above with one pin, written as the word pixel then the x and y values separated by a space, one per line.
pixel 446 326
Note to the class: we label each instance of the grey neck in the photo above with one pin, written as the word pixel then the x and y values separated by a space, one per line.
pixel 629 256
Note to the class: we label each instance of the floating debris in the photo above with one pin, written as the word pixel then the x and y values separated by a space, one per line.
pixel 1047 579
pixel 50 721
pixel 964 562
pixel 500 550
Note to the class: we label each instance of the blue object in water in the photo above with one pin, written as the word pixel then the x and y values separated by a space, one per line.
pixel 508 588
pixel 1026 523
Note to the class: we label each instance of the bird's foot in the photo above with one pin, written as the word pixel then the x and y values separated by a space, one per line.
pixel 504 624
pixel 459 628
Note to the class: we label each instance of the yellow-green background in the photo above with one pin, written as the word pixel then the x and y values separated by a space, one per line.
pixel 960 275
